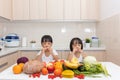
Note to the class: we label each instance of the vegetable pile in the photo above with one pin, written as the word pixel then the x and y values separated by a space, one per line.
pixel 90 68
pixel 67 69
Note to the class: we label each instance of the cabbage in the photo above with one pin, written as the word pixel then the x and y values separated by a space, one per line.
pixel 22 60
pixel 90 60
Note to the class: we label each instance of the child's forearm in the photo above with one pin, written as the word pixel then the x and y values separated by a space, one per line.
pixel 39 57
pixel 55 57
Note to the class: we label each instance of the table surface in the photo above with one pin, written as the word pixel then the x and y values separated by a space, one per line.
pixel 113 70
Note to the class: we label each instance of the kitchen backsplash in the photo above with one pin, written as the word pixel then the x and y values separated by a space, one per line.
pixel 62 33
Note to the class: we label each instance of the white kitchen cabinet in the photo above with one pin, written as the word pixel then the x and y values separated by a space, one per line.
pixel 55 9
pixel 8 60
pixel 72 9
pixel 90 9
pixel 20 9
pixel 37 9
pixel 29 54
pixel 6 9
pixel 64 54
pixel 100 55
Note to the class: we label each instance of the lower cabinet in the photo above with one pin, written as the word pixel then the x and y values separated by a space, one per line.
pixel 30 54
pixel 8 60
pixel 100 55
pixel 63 54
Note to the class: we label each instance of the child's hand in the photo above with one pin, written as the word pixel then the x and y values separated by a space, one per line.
pixel 79 49
pixel 75 50
pixel 43 50
pixel 50 50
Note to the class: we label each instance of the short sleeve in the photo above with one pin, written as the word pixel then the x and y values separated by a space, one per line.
pixel 55 52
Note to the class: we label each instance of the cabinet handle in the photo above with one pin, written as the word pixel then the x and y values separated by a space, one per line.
pixel 4 64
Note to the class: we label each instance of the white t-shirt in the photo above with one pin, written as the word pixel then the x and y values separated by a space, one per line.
pixel 49 58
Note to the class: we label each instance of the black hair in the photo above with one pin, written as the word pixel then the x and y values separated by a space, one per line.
pixel 46 38
pixel 72 42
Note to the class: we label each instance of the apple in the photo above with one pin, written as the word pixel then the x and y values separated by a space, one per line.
pixel 49 64
pixel 50 68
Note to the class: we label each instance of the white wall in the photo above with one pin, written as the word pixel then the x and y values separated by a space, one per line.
pixel 109 8
pixel 35 30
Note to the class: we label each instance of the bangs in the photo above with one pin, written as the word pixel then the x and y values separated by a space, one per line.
pixel 46 40
pixel 76 42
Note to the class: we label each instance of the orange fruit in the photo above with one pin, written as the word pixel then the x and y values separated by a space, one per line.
pixel 44 71
pixel 17 69
pixel 21 65
pixel 57 72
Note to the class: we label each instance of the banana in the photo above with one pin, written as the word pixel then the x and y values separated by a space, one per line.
pixel 72 65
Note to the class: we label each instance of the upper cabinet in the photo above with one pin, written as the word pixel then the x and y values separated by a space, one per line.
pixel 90 9
pixel 20 9
pixel 37 9
pixel 72 9
pixel 6 8
pixel 55 9
pixel 50 9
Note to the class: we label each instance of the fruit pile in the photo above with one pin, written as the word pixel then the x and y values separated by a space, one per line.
pixel 17 69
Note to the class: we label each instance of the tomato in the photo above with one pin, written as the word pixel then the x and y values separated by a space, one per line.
pixel 35 75
pixel 51 76
pixel 44 71
pixel 81 76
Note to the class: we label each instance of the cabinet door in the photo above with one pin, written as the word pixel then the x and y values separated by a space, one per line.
pixel 20 9
pixel 100 55
pixel 9 60
pixel 54 9
pixel 90 9
pixel 65 54
pixel 14 56
pixel 4 63
pixel 72 9
pixel 29 54
pixel 6 8
pixel 37 9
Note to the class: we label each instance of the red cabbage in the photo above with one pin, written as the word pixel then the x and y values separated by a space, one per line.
pixel 22 60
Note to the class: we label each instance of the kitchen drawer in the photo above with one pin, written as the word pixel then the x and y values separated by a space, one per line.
pixel 4 63
pixel 8 60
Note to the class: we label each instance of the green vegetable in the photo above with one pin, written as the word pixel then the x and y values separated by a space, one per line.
pixel 76 72
pixel 81 68
pixel 64 67
pixel 91 69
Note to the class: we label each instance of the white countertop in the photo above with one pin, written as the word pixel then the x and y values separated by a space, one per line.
pixel 6 51
pixel 112 68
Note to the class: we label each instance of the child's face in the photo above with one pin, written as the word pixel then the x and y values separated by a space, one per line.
pixel 76 46
pixel 46 44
